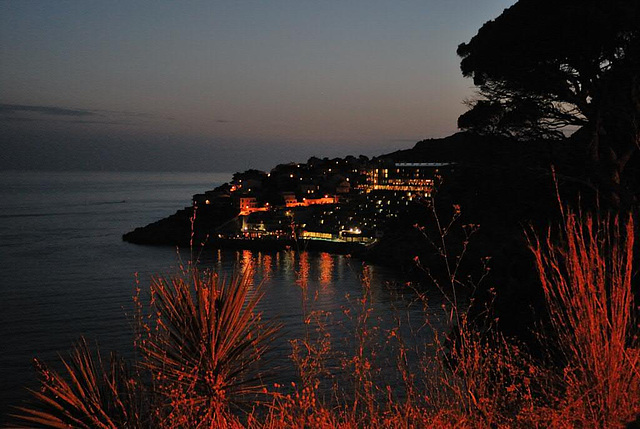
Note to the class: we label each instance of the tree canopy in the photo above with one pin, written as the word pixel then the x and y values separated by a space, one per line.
pixel 544 67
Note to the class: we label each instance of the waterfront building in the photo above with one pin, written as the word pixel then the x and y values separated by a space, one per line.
pixel 412 178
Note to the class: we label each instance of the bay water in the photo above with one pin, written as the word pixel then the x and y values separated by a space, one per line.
pixel 66 273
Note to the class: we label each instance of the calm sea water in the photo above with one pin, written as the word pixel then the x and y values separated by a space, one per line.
pixel 66 272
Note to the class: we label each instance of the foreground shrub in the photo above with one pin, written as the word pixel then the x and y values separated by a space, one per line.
pixel 205 345
pixel 90 395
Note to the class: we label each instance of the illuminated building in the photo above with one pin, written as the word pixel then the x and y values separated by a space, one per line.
pixel 411 177
pixel 290 199
pixel 244 202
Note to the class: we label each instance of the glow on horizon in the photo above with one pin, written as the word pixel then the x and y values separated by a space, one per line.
pixel 228 84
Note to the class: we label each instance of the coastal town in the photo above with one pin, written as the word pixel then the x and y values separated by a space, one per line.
pixel 342 200
pixel 349 205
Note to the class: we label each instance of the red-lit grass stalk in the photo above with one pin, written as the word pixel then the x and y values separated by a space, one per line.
pixel 90 395
pixel 586 276
pixel 204 349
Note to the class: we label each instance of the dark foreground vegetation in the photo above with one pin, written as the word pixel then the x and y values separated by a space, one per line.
pixel 536 225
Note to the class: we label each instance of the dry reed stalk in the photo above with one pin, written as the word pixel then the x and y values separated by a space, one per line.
pixel 474 377
pixel 586 276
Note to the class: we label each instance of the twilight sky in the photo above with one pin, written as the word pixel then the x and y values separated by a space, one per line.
pixel 227 85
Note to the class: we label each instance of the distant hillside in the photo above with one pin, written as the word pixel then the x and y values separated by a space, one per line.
pixel 470 149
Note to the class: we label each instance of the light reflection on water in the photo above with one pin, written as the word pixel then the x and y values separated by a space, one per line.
pixel 303 286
